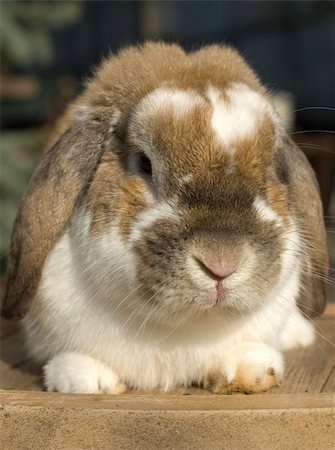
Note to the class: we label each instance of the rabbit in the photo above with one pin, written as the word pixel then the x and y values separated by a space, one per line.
pixel 172 235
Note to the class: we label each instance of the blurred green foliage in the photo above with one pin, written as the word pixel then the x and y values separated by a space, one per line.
pixel 26 25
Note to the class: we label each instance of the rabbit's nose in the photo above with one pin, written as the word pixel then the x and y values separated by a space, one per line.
pixel 217 269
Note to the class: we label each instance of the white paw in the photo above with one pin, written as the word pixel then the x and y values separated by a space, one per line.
pixel 248 367
pixel 77 373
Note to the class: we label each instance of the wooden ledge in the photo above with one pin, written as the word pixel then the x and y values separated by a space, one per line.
pixel 41 420
pixel 166 402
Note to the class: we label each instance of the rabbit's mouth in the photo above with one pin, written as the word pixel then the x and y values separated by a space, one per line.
pixel 218 293
pixel 215 296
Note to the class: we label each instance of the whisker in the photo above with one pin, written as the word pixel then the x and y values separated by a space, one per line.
pixel 315 147
pixel 313 131
pixel 327 108
pixel 314 311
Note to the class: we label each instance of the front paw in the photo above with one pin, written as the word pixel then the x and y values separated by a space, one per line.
pixel 248 367
pixel 77 373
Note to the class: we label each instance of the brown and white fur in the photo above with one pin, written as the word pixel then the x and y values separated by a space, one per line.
pixel 172 235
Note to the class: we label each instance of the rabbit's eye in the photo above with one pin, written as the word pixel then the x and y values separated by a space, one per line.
pixel 144 164
pixel 139 163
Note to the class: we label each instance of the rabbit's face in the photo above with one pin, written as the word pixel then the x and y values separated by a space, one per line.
pixel 198 197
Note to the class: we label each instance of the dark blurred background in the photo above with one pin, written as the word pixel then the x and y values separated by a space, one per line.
pixel 48 49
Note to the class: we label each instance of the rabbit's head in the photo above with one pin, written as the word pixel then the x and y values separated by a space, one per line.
pixel 185 159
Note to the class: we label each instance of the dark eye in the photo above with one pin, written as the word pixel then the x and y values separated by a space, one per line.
pixel 144 164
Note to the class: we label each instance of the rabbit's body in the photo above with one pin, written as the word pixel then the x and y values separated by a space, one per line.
pixel 196 237
pixel 77 311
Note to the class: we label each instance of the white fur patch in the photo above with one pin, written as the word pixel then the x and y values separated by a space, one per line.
pixel 160 99
pixel 237 117
pixel 147 217
pixel 297 332
pixel 266 212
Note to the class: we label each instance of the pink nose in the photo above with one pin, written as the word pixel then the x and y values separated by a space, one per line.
pixel 217 269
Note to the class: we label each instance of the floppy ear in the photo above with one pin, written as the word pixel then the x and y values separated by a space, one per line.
pixel 57 184
pixel 305 198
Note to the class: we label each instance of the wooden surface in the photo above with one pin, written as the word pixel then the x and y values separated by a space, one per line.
pixel 43 420
pixel 300 414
